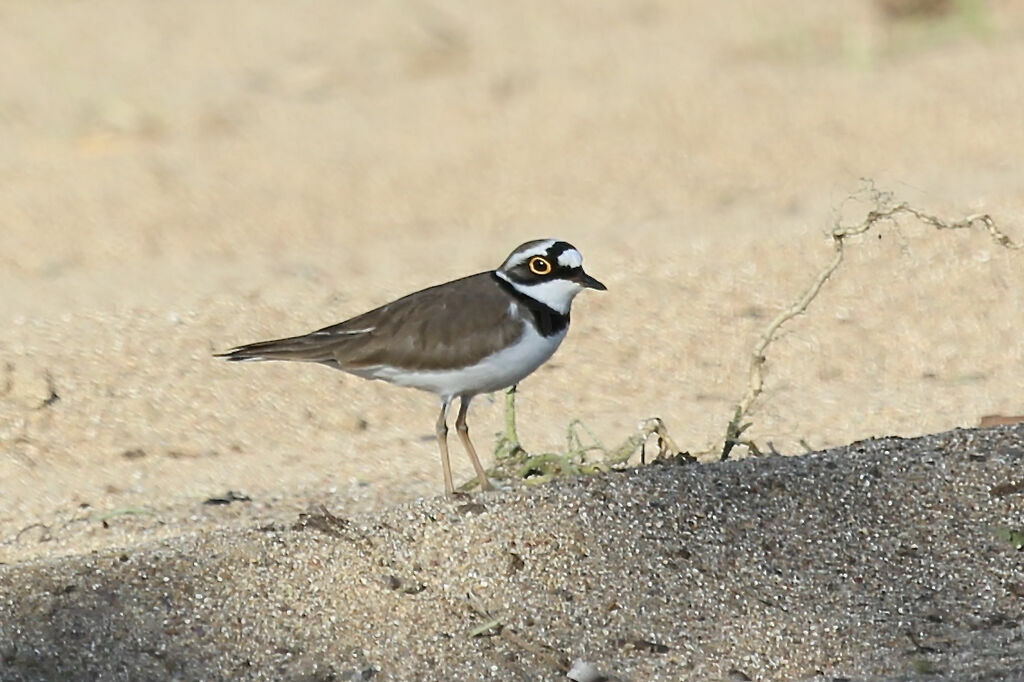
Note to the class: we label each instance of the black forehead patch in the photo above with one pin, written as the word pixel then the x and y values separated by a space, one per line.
pixel 557 249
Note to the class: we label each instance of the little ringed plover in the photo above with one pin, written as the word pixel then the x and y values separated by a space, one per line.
pixel 472 335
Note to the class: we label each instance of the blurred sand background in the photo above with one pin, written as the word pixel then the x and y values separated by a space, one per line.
pixel 179 178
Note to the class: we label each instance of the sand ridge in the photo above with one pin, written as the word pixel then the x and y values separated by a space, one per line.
pixel 887 559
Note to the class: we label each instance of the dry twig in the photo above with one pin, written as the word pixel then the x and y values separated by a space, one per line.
pixel 884 211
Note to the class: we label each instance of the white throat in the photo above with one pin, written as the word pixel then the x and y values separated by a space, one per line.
pixel 556 294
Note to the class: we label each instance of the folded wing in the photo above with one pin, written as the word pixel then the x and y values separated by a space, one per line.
pixel 443 327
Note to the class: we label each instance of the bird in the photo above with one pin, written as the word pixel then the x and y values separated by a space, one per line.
pixel 472 335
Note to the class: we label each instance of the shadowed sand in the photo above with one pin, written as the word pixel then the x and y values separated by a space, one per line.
pixel 894 559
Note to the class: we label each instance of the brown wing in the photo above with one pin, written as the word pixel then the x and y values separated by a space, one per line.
pixel 448 325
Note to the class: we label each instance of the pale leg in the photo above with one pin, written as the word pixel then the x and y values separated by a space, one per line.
pixel 463 429
pixel 442 442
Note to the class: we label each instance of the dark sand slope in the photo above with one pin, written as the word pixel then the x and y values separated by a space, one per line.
pixel 885 559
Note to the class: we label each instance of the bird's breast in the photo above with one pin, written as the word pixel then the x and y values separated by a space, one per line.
pixel 500 369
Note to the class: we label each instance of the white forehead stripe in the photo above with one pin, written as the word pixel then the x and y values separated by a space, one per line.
pixel 570 259
pixel 538 249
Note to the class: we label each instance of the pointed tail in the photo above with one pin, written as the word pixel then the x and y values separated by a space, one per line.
pixel 308 348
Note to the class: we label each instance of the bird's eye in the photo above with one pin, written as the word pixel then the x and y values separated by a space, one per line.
pixel 540 266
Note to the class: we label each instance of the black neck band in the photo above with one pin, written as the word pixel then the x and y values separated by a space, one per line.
pixel 546 319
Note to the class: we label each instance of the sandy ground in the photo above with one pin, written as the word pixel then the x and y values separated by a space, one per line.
pixel 889 559
pixel 176 179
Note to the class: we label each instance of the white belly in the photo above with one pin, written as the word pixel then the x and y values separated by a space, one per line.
pixel 494 372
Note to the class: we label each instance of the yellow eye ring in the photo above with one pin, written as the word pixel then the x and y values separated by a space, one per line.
pixel 540 266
